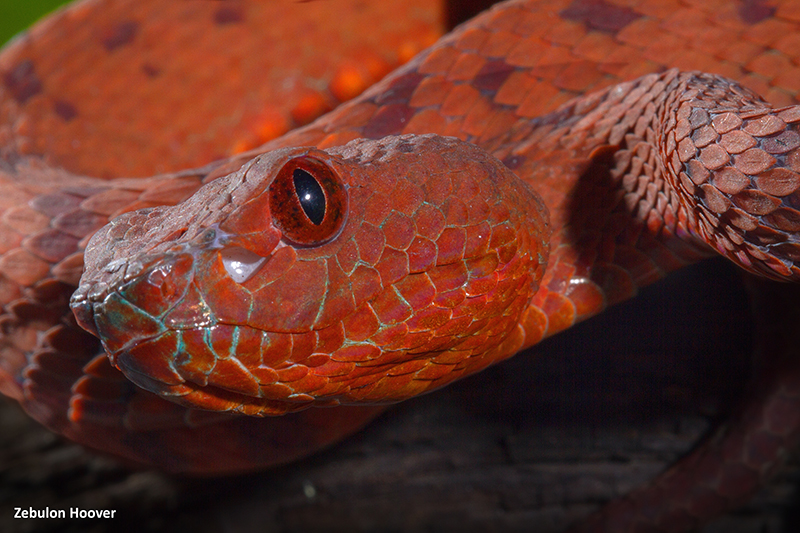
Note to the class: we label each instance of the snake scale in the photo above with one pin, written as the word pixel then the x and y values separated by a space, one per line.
pixel 583 149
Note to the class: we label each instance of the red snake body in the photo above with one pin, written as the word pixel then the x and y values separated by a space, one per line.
pixel 414 277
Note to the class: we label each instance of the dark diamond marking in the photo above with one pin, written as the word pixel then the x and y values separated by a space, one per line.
pixel 151 71
pixel 22 81
pixel 492 75
pixel 228 15
pixel 65 110
pixel 754 11
pixel 598 15
pixel 401 89
pixel 122 34
pixel 389 120
pixel 514 161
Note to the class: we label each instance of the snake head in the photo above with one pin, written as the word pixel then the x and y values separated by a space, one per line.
pixel 369 272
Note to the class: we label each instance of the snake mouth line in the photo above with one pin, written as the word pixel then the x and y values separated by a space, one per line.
pixel 153 366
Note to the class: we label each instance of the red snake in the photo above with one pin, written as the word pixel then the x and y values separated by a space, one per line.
pixel 416 259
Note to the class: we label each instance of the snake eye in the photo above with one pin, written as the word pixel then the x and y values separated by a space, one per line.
pixel 307 201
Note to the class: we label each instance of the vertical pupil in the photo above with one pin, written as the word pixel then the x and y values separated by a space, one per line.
pixel 310 194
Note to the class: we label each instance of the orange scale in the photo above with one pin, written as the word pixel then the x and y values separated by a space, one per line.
pixel 409 367
pixel 449 277
pixel 365 283
pixel 153 360
pixel 431 91
pixel 482 266
pixel 399 230
pixel 596 47
pixel 473 39
pixel 526 52
pixel 359 377
pixel 109 202
pixel 339 299
pixel 25 221
pixel 315 360
pixel 514 89
pixel 276 349
pixel 433 372
pixel 455 212
pixel 390 308
pixel 535 323
pixel 465 180
pixel 333 368
pixel 356 353
pixel 741 52
pixel 466 67
pixel 429 219
pixel 768 31
pixel 451 245
pixel 501 235
pixel 264 375
pixel 407 197
pixel 586 297
pixel 417 290
pixel 310 384
pixel 480 286
pixel 475 306
pixel 361 325
pixel 221 340
pixel 412 341
pixel 500 123
pixel 753 161
pixel 477 236
pixel 504 19
pixel 196 359
pixel 455 328
pixel 560 311
pixel 375 203
pixel 425 121
pixel 453 127
pixel 231 375
pixel 578 76
pixel 370 241
pixel 387 336
pixel 439 60
pixel 450 358
pixel 421 255
pixel 460 100
pixel 347 256
pixel 292 374
pixel 430 318
pixel 768 64
pixel 276 391
pixel 303 345
pixel 392 266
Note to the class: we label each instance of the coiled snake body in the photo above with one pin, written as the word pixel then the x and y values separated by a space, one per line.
pixel 569 168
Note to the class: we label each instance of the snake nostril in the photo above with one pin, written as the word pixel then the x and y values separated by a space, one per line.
pixel 241 264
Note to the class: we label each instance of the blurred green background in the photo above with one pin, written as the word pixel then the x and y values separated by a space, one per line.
pixel 16 15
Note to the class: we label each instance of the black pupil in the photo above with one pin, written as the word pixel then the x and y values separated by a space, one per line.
pixel 310 194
